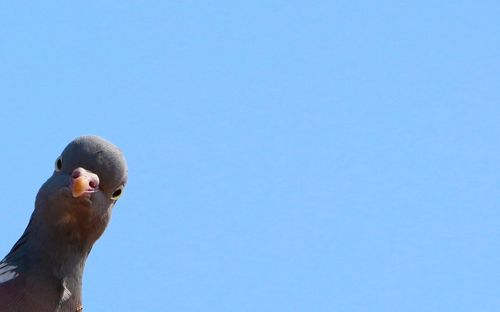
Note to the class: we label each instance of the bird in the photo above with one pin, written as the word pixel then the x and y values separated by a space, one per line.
pixel 43 271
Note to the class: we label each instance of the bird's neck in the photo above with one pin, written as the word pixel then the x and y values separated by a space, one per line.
pixel 47 255
pixel 50 245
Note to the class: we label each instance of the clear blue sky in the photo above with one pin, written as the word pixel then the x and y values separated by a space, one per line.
pixel 283 156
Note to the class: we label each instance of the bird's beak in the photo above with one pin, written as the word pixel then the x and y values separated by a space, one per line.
pixel 83 182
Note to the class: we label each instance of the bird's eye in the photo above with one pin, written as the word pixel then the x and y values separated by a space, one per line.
pixel 58 165
pixel 117 193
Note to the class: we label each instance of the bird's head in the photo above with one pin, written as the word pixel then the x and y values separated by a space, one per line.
pixel 89 177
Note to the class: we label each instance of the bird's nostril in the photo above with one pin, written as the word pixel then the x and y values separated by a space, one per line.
pixel 76 174
pixel 84 180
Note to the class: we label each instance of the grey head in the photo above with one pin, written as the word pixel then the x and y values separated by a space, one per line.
pixel 89 177
pixel 43 271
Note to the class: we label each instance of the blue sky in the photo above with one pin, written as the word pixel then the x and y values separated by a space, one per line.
pixel 283 156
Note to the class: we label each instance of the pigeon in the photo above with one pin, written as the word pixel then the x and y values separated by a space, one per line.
pixel 43 270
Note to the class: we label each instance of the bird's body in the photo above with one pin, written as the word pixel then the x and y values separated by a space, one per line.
pixel 43 271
